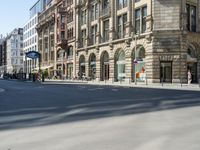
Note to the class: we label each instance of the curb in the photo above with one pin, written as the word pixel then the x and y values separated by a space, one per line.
pixel 165 87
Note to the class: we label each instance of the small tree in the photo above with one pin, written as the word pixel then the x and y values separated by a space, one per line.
pixel 46 73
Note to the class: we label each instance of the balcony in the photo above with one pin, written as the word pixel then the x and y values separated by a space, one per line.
pixel 62 10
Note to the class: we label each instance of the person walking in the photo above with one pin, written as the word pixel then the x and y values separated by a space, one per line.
pixel 189 77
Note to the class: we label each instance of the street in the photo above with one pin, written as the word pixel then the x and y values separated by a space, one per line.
pixel 91 117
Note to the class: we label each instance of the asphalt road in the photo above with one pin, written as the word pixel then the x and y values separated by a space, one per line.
pixel 84 117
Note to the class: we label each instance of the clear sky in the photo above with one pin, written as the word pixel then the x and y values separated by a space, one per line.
pixel 14 14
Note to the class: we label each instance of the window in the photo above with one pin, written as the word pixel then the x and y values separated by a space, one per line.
pixel 62 19
pixel 94 12
pixel 70 33
pixel 70 52
pixel 106 31
pixel 69 2
pixel 140 20
pixel 105 4
pixel 191 17
pixel 83 17
pixel 52 55
pixel 83 37
pixel 144 15
pixel 70 16
pixel 121 4
pixel 93 34
pixel 52 42
pixel 62 34
pixel 46 44
pixel 122 20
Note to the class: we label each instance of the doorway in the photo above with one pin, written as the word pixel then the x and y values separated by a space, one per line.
pixel 105 67
pixel 193 69
pixel 166 72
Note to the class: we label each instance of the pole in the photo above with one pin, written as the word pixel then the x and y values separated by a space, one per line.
pixel 135 60
pixel 62 64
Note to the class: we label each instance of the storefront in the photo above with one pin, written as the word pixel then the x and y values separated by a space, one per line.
pixel 105 66
pixel 121 66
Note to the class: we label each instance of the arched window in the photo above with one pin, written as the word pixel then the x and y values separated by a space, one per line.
pixel 82 65
pixel 121 65
pixel 92 66
pixel 192 52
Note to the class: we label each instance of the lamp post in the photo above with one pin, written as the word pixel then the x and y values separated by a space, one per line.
pixel 135 36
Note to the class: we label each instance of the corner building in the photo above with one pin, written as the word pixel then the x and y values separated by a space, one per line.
pixel 140 40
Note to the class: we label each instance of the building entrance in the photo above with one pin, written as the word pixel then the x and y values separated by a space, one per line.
pixel 166 72
pixel 105 67
pixel 193 69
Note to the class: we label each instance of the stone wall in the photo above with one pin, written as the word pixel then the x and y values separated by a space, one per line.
pixel 166 14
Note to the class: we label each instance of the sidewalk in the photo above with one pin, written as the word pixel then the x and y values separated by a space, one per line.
pixel 173 86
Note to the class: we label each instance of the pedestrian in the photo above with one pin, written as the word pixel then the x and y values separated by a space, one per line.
pixel 189 77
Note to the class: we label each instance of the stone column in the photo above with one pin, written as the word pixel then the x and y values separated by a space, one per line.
pixel 98 66
pixel 112 69
pixel 87 68
pixel 128 69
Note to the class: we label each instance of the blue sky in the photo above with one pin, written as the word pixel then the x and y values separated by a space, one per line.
pixel 13 14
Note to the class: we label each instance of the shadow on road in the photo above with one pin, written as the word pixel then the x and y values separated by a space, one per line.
pixel 54 104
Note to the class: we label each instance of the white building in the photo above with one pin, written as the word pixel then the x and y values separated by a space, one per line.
pixel 31 37
pixel 14 54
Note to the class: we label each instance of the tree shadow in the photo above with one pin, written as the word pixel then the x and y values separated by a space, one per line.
pixel 54 104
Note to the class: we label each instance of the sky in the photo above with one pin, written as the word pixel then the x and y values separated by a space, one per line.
pixel 14 14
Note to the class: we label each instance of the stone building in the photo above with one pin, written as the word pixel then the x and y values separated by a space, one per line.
pixel 66 37
pixel 56 29
pixel 139 40
pixel 14 51
pixel 46 29
pixel 3 55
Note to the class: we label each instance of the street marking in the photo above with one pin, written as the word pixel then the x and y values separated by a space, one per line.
pixel 2 90
pixel 115 90
pixel 94 89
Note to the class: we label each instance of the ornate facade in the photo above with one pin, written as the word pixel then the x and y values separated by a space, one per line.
pixel 142 40
pixel 57 37
pixel 122 40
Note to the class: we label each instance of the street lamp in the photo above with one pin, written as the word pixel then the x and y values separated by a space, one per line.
pixel 135 61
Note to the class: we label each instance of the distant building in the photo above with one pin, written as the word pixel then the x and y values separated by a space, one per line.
pixel 14 48
pixel 30 35
pixel 2 55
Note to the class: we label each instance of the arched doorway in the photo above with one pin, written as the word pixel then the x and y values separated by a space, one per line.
pixel 120 66
pixel 138 64
pixel 81 66
pixel 105 66
pixel 192 63
pixel 92 66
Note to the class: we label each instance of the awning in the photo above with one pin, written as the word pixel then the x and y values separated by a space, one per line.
pixel 43 67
